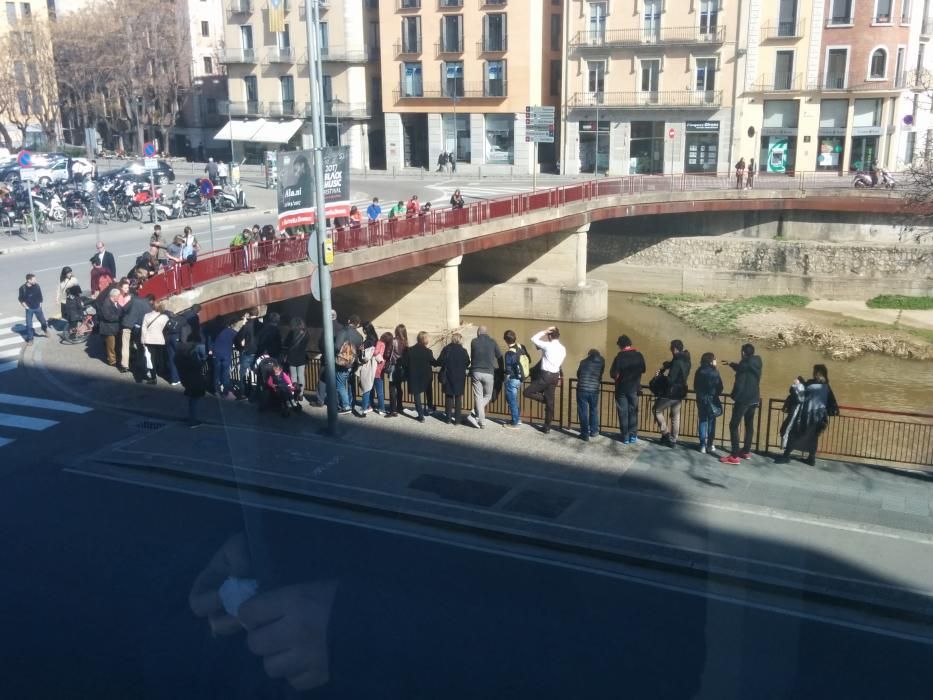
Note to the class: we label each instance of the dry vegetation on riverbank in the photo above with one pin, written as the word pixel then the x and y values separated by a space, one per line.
pixel 783 321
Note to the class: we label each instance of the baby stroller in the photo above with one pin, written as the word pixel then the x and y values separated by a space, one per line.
pixel 277 392
pixel 80 316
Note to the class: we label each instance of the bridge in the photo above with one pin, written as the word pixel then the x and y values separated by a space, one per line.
pixel 525 255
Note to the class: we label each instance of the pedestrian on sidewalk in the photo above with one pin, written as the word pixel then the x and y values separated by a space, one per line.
pixel 677 372
pixel 30 297
pixel 740 174
pixel 441 162
pixel 452 162
pixel 750 180
pixel 746 395
pixel 396 366
pixel 485 359
pixel 589 382
pixel 295 350
pixel 347 346
pixel 420 373
pixel 213 171
pixel 369 371
pixel 707 385
pixel 516 367
pixel 105 259
pixel 152 336
pixel 66 280
pixel 815 404
pixel 193 372
pixel 221 356
pixel 222 173
pixel 454 362
pixel 552 357
pixel 247 342
pixel 131 323
pixel 108 323
pixel 627 370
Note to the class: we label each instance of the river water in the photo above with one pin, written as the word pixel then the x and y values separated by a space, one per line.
pixel 872 381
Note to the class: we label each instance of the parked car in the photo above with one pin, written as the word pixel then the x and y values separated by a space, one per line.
pixel 137 172
pixel 58 171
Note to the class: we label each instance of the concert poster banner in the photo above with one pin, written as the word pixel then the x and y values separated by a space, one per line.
pixel 296 186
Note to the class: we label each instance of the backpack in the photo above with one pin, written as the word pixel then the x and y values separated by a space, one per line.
pixel 347 355
pixel 524 362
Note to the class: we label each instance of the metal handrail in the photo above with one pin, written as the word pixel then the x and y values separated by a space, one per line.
pixel 609 38
pixel 668 98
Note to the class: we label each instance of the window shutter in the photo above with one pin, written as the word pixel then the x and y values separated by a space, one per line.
pixel 460 32
pixel 418 26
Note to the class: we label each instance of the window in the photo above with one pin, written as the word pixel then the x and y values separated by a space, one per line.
pixel 555 77
pixel 841 12
pixel 651 26
pixel 287 90
pixel 205 29
pixel 495 79
pixel 374 36
pixel 905 11
pixel 411 80
pixel 596 79
pixel 208 65
pixel 500 138
pixel 251 92
pixel 495 37
pixel 283 40
pixel 883 11
pixel 327 88
pixel 323 37
pixel 784 70
pixel 836 63
pixel 650 75
pixel 375 89
pixel 410 4
pixel 555 32
pixel 26 10
pixel 598 12
pixel 211 105
pixel 787 18
pixel 709 16
pixel 411 35
pixel 706 74
pixel 22 98
pixel 246 37
pixel 899 77
pixel 877 66
pixel 452 33
pixel 452 78
pixel 451 3
pixel 11 12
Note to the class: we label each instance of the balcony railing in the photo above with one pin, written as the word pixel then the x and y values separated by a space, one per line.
pixel 408 48
pixel 653 100
pixel 492 89
pixel 279 54
pixel 286 108
pixel 491 3
pixel 666 36
pixel 238 56
pixel 882 19
pixel 779 82
pixel 927 27
pixel 409 4
pixel 783 30
pixel 239 7
pixel 344 110
pixel 449 4
pixel 448 48
pixel 834 81
pixel 493 44
pixel 249 108
pixel 340 54
pixel 839 21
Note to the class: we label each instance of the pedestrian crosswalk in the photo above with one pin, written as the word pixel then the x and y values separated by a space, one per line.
pixel 11 340
pixel 472 191
pixel 34 415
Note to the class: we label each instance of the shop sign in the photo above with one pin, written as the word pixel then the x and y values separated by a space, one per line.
pixel 590 126
pixel 778 131
pixel 702 126
pixel 832 131
pixel 866 131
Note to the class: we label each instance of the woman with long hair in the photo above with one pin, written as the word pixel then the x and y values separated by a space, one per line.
pixel 369 373
pixel 816 404
pixel 65 282
pixel 396 368
pixel 708 386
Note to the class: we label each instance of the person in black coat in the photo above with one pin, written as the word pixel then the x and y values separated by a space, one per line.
pixel 678 374
pixel 816 403
pixel 627 370
pixel 707 384
pixel 295 352
pixel 193 372
pixel 420 360
pixel 454 361
pixel 746 393
pixel 589 381
pixel 108 317
pixel 105 259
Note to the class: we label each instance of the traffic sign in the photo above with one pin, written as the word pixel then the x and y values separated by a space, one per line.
pixel 671 134
pixel 539 124
pixel 150 163
pixel 24 159
pixel 207 188
pixel 149 149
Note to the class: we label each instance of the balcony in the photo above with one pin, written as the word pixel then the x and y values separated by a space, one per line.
pixel 484 4
pixel 408 48
pixel 239 7
pixel 492 44
pixel 448 48
pixel 229 56
pixel 449 4
pixel 491 89
pixel 337 109
pixel 648 100
pixel 249 108
pixel 303 10
pixel 404 5
pixel 840 21
pixel 285 108
pixel 341 54
pixel 779 82
pixel 278 54
pixel 665 36
pixel 783 30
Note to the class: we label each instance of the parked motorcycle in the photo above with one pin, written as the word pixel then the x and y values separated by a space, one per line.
pixel 229 198
pixel 864 179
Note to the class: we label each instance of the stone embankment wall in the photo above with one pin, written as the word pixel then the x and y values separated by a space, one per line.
pixel 741 261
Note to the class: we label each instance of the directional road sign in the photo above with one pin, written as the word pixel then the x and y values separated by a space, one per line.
pixel 539 124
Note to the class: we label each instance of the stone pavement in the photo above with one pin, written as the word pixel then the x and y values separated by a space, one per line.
pixel 856 535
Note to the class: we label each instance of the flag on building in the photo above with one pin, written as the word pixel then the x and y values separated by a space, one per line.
pixel 276 16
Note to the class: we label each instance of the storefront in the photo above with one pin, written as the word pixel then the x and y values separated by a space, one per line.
pixel 594 146
pixel 832 135
pixel 500 139
pixel 779 137
pixel 866 133
pixel 457 136
pixel 646 154
pixel 702 147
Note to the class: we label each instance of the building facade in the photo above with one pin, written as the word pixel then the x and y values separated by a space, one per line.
pixel 266 59
pixel 457 76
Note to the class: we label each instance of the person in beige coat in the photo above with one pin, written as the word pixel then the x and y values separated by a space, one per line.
pixel 152 337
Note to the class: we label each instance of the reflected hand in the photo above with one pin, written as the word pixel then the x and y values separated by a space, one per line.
pixel 288 628
pixel 232 559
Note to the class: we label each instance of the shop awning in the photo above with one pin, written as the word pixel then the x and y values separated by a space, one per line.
pixel 277 132
pixel 241 130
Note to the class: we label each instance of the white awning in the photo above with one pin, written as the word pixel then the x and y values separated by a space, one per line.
pixel 242 130
pixel 277 132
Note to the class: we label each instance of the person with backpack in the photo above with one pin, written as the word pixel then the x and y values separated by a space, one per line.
pixel 676 371
pixel 454 361
pixel 192 370
pixel 627 370
pixel 516 368
pixel 347 345
pixel 589 379
pixel 486 358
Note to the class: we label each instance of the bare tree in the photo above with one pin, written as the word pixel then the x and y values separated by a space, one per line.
pixel 28 88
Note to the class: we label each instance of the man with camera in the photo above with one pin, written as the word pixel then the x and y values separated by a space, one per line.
pixel 543 385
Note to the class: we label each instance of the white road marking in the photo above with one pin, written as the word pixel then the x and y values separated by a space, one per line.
pixel 12 341
pixel 6 441
pixel 47 404
pixel 10 420
pixel 10 353
pixel 7 366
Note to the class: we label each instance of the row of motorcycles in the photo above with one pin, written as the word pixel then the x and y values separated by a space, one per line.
pixel 879 179
pixel 78 204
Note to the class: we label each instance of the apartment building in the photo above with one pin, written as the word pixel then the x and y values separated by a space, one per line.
pixel 266 58
pixel 457 76
pixel 649 86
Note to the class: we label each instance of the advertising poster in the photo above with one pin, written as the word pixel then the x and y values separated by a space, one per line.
pixel 296 186
pixel 777 154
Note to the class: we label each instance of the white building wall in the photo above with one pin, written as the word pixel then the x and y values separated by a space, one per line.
pixel 395 141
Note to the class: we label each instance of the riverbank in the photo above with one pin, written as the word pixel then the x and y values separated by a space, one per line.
pixel 790 320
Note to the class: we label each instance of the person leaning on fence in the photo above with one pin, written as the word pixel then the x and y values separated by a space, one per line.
pixel 420 375
pixel 543 386
pixel 454 362
pixel 750 181
pixel 152 338
pixel 677 372
pixel 626 371
pixel 707 385
pixel 485 359
pixel 395 369
pixel 814 404
pixel 456 200
pixel 517 367
pixel 374 211
pixel 589 381
pixel 746 395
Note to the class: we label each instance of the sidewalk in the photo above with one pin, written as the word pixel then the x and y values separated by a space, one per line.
pixel 855 535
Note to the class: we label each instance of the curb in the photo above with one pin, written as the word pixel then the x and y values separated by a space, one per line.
pixel 28 247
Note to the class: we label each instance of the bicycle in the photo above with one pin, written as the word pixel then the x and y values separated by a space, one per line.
pixel 43 223
pixel 77 217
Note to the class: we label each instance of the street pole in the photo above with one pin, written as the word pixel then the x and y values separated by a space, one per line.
pixel 210 219
pixel 152 194
pixel 32 211
pixel 230 126
pixel 534 166
pixel 317 127
pixel 596 155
